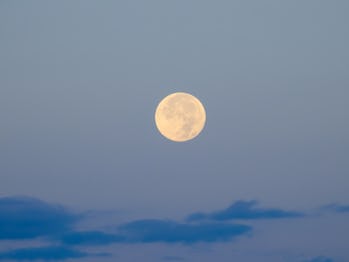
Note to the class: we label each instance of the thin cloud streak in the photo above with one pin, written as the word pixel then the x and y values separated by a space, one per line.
pixel 337 208
pixel 245 210
pixel 42 253
pixel 320 259
pixel 90 238
pixel 153 230
pixel 173 258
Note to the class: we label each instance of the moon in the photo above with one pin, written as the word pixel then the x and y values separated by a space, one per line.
pixel 180 117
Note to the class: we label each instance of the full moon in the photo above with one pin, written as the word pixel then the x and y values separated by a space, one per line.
pixel 180 117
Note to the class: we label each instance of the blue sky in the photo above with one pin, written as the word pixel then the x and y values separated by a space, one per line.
pixel 81 160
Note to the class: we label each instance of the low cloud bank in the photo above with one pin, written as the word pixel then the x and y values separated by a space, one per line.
pixel 23 218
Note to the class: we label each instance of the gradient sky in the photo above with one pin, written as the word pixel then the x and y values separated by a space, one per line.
pixel 79 84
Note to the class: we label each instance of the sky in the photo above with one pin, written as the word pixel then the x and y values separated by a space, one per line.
pixel 86 176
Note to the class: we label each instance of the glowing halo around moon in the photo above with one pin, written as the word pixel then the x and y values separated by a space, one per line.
pixel 180 117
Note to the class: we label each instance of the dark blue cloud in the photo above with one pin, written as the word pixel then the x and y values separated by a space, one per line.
pixel 149 231
pixel 42 253
pixel 24 218
pixel 90 238
pixel 244 210
pixel 320 259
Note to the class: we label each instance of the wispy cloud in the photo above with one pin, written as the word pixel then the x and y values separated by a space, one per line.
pixel 173 258
pixel 152 230
pixel 244 210
pixel 25 218
pixel 319 259
pixel 337 208
pixel 90 238
pixel 42 253
pixel 156 230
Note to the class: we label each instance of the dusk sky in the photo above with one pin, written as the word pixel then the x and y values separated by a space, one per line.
pixel 86 176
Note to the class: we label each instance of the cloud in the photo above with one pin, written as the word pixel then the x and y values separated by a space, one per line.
pixel 25 218
pixel 93 238
pixel 42 253
pixel 320 259
pixel 244 210
pixel 337 208
pixel 152 230
pixel 172 258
